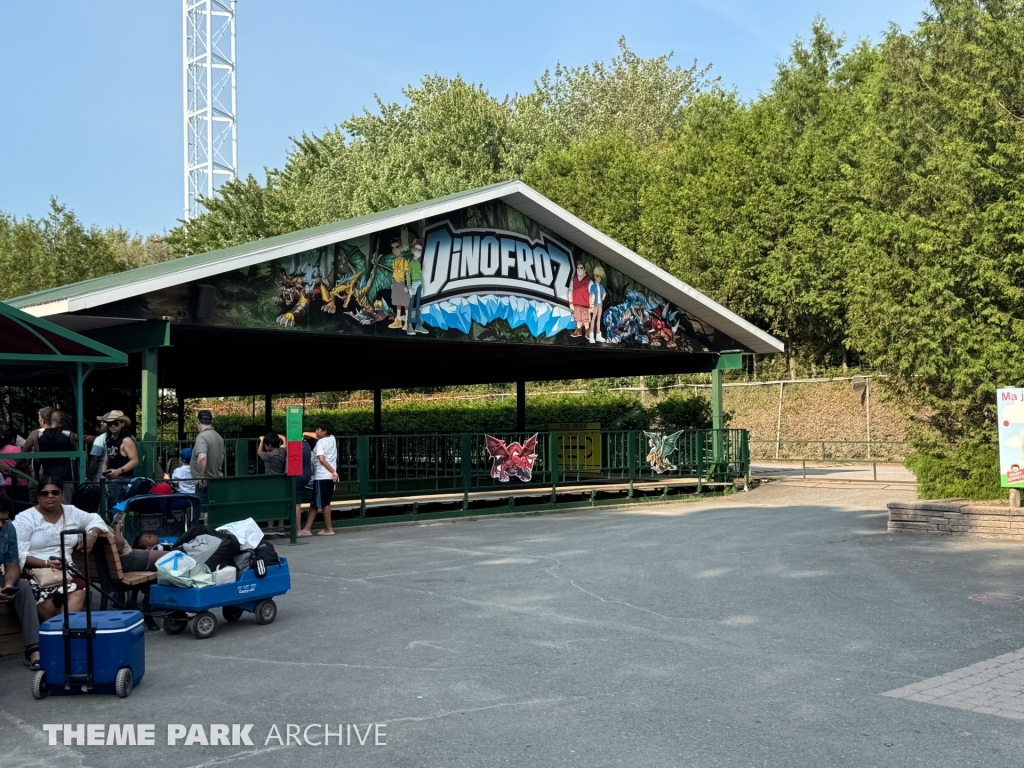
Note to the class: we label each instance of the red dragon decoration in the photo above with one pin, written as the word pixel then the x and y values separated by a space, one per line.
pixel 513 460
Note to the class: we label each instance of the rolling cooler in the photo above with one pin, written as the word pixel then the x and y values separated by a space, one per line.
pixel 83 652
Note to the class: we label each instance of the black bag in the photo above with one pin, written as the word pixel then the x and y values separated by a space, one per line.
pixel 140 486
pixel 258 559
pixel 208 545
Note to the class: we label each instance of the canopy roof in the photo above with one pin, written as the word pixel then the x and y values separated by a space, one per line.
pixel 30 341
pixel 89 297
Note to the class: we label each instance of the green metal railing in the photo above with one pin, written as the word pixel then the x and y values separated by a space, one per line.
pixel 400 464
pixel 376 467
pixel 379 466
pixel 828 450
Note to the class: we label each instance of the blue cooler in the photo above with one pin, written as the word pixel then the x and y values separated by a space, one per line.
pixel 118 654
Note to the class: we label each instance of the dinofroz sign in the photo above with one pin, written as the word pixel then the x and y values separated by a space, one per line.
pixel 462 262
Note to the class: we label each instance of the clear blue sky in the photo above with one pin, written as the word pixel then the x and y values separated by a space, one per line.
pixel 92 91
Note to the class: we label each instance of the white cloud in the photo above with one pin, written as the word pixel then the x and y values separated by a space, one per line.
pixel 1013 442
pixel 1014 412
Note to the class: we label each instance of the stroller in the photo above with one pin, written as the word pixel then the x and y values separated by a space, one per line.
pixel 168 516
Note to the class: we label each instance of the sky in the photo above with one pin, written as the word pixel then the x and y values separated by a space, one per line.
pixel 92 103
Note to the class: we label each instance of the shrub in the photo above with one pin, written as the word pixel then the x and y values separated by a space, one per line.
pixel 611 411
pixel 969 470
pixel 678 411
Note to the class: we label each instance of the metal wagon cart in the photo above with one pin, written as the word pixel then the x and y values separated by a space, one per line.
pixel 248 594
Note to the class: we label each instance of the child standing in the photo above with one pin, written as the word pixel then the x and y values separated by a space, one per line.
pixel 183 474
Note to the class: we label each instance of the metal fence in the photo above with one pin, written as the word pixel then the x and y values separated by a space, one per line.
pixel 389 465
pixel 828 450
pixel 374 467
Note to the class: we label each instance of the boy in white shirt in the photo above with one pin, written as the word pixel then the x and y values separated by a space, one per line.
pixel 183 475
pixel 325 475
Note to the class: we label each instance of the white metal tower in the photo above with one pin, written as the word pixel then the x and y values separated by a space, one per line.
pixel 211 132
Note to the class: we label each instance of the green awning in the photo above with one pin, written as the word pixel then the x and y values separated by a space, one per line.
pixel 31 341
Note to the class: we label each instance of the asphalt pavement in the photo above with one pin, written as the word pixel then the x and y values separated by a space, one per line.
pixel 758 629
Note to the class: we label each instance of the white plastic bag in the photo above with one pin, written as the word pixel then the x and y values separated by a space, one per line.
pixel 226 574
pixel 247 532
pixel 176 569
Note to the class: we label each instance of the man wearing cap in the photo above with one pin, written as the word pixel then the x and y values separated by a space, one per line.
pixel 207 457
pixel 121 456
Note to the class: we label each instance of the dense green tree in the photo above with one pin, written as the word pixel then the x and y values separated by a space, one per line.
pixel 753 203
pixel 940 305
pixel 601 180
pixel 36 254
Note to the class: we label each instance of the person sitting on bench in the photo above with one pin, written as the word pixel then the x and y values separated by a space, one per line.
pixel 16 589
pixel 39 546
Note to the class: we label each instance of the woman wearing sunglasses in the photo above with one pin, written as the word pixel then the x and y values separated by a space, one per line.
pixel 39 547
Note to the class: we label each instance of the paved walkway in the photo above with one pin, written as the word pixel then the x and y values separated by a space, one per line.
pixel 758 629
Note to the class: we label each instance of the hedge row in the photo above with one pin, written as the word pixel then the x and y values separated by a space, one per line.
pixel 613 412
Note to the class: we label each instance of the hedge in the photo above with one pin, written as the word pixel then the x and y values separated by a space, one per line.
pixel 612 412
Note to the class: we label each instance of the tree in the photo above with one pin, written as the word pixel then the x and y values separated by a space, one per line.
pixel 36 254
pixel 752 202
pixel 638 98
pixel 939 303
pixel 602 180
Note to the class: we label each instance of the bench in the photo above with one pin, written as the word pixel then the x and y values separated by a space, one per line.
pixel 105 571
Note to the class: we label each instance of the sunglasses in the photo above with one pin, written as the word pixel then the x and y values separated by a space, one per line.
pixel 49 493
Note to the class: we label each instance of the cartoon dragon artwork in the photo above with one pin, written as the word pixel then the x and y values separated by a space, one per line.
pixel 661 447
pixel 513 460
pixel 362 278
pixel 642 321
pixel 293 300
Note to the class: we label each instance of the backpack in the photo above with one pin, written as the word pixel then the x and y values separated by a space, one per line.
pixel 258 559
pixel 208 545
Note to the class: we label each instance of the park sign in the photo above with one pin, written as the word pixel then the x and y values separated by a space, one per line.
pixel 483 273
pixel 1010 405
pixel 293 433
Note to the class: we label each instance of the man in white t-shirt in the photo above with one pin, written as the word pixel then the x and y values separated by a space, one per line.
pixel 97 451
pixel 325 475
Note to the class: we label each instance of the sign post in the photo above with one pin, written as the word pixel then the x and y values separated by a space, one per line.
pixel 293 433
pixel 1010 405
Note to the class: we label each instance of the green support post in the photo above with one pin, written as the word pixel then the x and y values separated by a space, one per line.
pixel 241 458
pixel 717 418
pixel 363 471
pixel 150 399
pixel 553 464
pixel 467 468
pixel 632 441
pixel 698 438
pixel 717 413
pixel 745 458
pixel 80 418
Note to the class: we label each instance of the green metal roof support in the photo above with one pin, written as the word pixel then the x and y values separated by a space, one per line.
pixel 29 342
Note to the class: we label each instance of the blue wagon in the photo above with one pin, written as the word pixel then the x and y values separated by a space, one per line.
pixel 249 593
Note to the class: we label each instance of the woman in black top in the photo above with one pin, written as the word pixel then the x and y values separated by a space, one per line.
pixel 57 437
pixel 121 457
